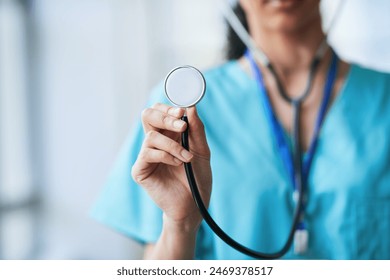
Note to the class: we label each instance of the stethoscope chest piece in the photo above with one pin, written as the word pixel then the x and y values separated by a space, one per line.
pixel 185 86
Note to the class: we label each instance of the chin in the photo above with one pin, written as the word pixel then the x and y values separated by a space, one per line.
pixel 289 23
pixel 285 15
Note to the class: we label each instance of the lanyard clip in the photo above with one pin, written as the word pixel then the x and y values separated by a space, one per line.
pixel 301 241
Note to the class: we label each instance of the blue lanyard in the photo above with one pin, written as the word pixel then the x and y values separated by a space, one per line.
pixel 277 129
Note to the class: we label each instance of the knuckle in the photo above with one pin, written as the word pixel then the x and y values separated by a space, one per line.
pixel 145 113
pixel 135 175
pixel 161 156
pixel 150 135
pixel 165 119
pixel 147 140
pixel 172 146
pixel 142 156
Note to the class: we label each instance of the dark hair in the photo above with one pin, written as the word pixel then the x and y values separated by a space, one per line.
pixel 235 47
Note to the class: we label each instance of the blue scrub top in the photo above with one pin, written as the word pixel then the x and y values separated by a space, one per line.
pixel 348 208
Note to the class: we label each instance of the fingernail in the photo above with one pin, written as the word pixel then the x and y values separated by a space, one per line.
pixel 186 154
pixel 175 111
pixel 178 124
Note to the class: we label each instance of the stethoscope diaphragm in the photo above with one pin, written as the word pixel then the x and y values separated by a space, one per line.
pixel 185 86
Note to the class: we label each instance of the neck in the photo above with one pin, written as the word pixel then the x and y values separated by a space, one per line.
pixel 289 51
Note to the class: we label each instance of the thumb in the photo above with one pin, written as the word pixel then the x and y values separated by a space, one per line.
pixel 197 134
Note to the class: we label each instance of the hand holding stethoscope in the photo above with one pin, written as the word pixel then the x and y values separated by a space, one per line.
pixel 159 166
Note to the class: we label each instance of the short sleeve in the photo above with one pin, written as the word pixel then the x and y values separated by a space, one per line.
pixel 123 205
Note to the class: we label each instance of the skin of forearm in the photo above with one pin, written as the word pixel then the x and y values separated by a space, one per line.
pixel 176 242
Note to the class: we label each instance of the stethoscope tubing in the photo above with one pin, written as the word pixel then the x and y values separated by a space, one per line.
pixel 299 173
pixel 218 230
pixel 299 170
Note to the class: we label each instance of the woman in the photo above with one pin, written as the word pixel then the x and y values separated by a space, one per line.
pixel 347 206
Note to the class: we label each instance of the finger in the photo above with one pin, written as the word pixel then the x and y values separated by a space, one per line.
pixel 159 141
pixel 141 168
pixel 153 119
pixel 150 155
pixel 173 111
pixel 197 134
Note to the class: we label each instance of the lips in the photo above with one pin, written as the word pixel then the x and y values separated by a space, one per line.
pixel 284 4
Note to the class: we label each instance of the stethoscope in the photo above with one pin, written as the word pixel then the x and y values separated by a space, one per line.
pixel 190 80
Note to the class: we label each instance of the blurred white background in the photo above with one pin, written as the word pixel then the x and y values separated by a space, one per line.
pixel 74 75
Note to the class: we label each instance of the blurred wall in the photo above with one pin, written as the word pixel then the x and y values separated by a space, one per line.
pixel 98 62
pixel 360 33
pixel 16 176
